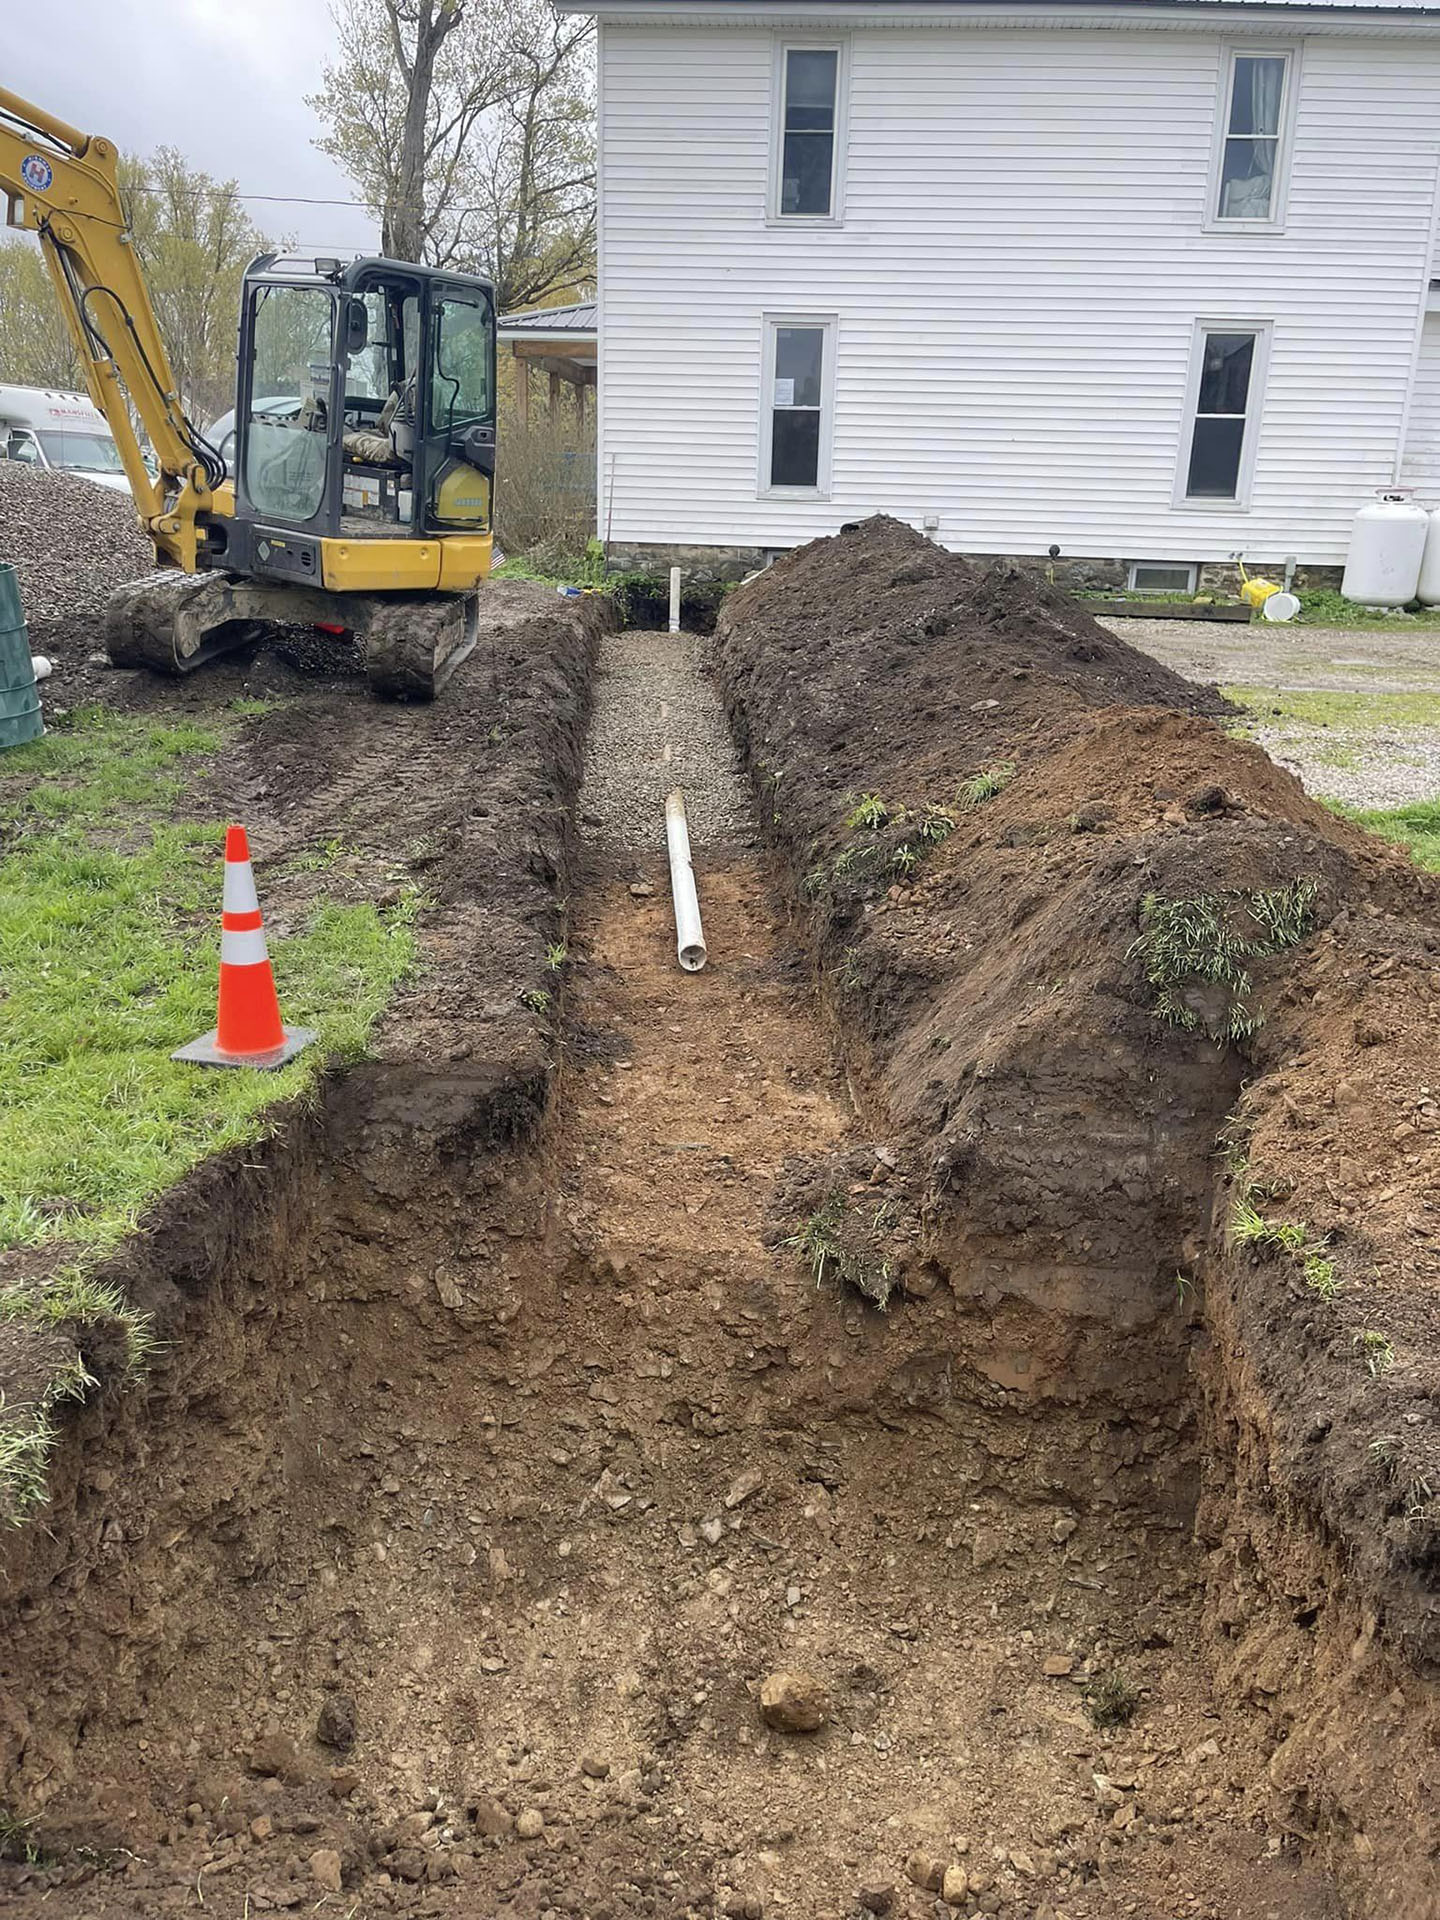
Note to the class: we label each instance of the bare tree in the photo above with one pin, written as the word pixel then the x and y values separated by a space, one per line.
pixel 470 134
pixel 417 34
pixel 532 229
pixel 400 106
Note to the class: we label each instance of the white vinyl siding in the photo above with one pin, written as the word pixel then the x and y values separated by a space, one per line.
pixel 1012 344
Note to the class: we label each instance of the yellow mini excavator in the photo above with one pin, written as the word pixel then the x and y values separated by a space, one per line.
pixel 364 458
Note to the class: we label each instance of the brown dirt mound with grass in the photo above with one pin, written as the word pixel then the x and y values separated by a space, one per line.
pixel 1117 990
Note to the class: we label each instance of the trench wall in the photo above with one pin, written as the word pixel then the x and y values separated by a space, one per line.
pixel 1074 1164
pixel 167 1494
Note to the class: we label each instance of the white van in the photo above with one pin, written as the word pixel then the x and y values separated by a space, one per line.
pixel 47 427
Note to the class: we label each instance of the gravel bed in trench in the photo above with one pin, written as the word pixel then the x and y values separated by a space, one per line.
pixel 658 724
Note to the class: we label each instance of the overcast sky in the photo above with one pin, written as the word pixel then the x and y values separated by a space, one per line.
pixel 223 80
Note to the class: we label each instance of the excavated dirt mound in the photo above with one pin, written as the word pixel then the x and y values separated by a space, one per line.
pixel 988 803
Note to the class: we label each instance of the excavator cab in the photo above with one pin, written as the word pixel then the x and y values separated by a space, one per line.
pixel 365 427
pixel 363 473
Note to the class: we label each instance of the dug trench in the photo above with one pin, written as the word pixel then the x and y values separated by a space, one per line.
pixel 572 1371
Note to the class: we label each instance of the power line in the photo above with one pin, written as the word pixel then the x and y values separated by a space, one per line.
pixel 234 193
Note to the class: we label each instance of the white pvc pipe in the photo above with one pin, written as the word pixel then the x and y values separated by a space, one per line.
pixel 674 599
pixel 689 935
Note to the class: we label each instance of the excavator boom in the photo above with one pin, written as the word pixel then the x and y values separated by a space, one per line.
pixel 61 184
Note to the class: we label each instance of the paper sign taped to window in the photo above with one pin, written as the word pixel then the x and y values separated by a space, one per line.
pixel 784 393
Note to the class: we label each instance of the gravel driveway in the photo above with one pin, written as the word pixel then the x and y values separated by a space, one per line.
pixel 1404 658
pixel 1372 736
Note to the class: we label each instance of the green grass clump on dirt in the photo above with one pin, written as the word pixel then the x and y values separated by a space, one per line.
pixel 831 1243
pixel 1111 1699
pixel 1328 607
pixel 109 949
pixel 1416 827
pixel 1208 942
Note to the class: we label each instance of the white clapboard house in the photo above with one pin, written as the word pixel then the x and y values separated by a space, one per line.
pixel 1149 282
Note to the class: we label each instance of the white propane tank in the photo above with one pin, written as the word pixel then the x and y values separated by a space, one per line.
pixel 1428 590
pixel 1387 543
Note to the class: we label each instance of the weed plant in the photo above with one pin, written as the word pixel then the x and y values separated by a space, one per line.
pixel 1201 942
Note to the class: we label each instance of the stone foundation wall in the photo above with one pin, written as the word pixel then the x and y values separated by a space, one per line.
pixel 701 566
pixel 705 566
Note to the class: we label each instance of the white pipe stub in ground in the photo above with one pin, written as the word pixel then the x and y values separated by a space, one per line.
pixel 689 935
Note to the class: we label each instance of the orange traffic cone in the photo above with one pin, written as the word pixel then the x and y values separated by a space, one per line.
pixel 248 1031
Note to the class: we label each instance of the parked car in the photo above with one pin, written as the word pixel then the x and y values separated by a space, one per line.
pixel 49 427
pixel 221 432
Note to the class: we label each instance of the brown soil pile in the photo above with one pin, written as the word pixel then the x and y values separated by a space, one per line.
pixel 979 792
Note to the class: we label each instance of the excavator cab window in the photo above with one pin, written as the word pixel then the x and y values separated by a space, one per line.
pixel 367 407
pixel 461 407
pixel 460 385
pixel 287 428
pixel 379 429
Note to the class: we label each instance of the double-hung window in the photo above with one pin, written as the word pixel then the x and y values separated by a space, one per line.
pixel 795 451
pixel 809 133
pixel 1256 112
pixel 1226 381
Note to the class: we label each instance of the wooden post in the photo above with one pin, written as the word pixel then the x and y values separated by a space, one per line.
pixel 555 398
pixel 580 405
pixel 522 391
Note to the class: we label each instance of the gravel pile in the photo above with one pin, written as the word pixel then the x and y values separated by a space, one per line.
pixel 71 542
pixel 651 700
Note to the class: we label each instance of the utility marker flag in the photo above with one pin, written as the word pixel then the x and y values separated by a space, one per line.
pixel 248 1030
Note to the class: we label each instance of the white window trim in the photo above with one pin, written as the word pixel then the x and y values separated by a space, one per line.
pixel 1279 199
pixel 1254 407
pixel 1190 567
pixel 770 324
pixel 839 45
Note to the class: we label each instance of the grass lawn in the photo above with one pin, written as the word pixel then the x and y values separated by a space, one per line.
pixel 1327 607
pixel 109 948
pixel 1347 730
pixel 1416 827
pixel 1388 741
pixel 1347 712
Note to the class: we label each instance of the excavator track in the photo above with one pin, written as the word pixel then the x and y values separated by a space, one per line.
pixel 413 646
pixel 172 623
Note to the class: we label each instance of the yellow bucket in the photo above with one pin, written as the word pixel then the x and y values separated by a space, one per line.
pixel 1257 591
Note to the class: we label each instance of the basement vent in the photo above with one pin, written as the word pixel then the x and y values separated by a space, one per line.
pixel 1162 576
